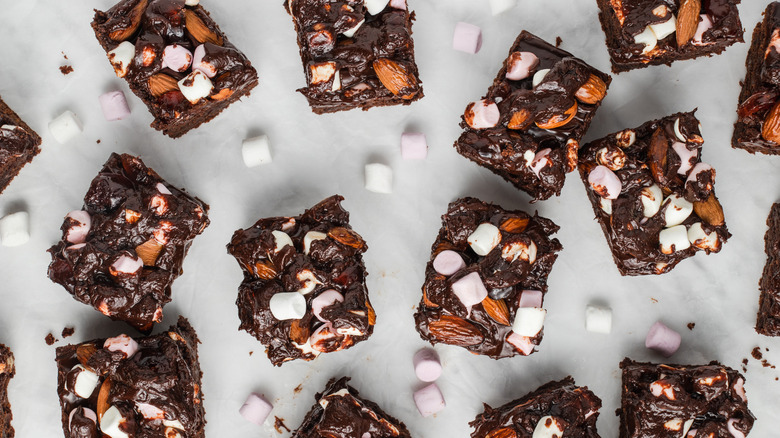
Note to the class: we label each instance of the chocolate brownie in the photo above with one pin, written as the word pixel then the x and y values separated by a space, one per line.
pixel 19 144
pixel 758 115
pixel 123 387
pixel 768 321
pixel 356 54
pixel 660 401
pixel 555 409
pixel 527 128
pixel 304 289
pixel 121 253
pixel 485 282
pixel 652 194
pixel 654 32
pixel 339 412
pixel 7 371
pixel 176 59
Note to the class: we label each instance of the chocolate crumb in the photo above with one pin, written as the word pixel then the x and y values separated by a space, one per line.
pixel 68 332
pixel 765 363
pixel 50 339
pixel 251 353
pixel 279 425
pixel 691 325
pixel 66 69
pixel 64 55
pixel 558 41
pixel 98 141
pixel 298 388
pixel 756 353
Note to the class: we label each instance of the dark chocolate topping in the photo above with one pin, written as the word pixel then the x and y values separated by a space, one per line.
pixel 7 371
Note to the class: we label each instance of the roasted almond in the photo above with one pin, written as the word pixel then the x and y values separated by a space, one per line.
pixel 132 216
pixel 299 333
pixel 149 251
pixel 265 270
pixel 592 91
pixel 102 398
pixel 134 17
pixel 559 120
pixel 520 120
pixel 515 225
pixel 397 78
pixel 497 310
pixel 371 313
pixel 452 330
pixel 710 211
pixel 656 156
pixel 84 352
pixel 347 237
pixel 771 129
pixel 222 95
pixel 198 29
pixel 687 21
pixel 504 432
pixel 161 83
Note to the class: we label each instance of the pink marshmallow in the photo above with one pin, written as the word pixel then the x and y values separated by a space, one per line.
pixel 448 262
pixel 323 300
pixel 530 298
pixel 697 169
pixel 256 409
pixel 78 233
pixel 520 65
pixel 470 290
pixel 398 4
pixel 413 146
pixel 541 160
pixel 123 343
pixel 687 157
pixel 126 265
pixel 663 339
pixel 704 25
pixel 605 182
pixel 87 413
pixel 177 58
pixel 482 114
pixel 523 344
pixel 114 105
pixel 199 64
pixel 76 246
pixel 150 412
pixel 467 38
pixel 739 388
pixel 427 366
pixel 733 430
pixel 429 400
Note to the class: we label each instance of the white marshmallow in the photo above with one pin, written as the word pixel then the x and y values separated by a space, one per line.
pixel 15 229
pixel 529 156
pixel 194 2
pixel 375 6
pixel 652 197
pixel 196 86
pixel 648 38
pixel 606 205
pixel 126 265
pixel 198 63
pixel 336 85
pixel 676 237
pixel 282 239
pixel 162 189
pixel 677 210
pixel 256 151
pixel 150 412
pixel 700 239
pixel 484 238
pixel 310 237
pixel 65 127
pixel 379 178
pixel 687 427
pixel 176 424
pixel 110 423
pixel 121 57
pixel 687 157
pixel 663 30
pixel 78 233
pixel 287 305
pixel 539 76
pixel 626 138
pixel 498 7
pixel 308 280
pixel 325 299
pixel 529 321
pixel 519 250
pixel 86 381
pixel 598 319
pixel 349 33
pixel 522 344
pixel 677 132
pixel 9 127
pixel 548 427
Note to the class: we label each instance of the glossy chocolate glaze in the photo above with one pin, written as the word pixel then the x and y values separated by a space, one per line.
pixel 163 23
pixel 339 412
pixel 129 207
pixel 632 237
pixel 768 320
pixel 711 395
pixel 502 150
pixel 164 373
pixel 336 261
pixel 504 280
pixel 18 145
pixel 7 371
pixel 387 35
pixel 570 405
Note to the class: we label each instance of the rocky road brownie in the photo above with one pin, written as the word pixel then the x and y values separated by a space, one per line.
pixel 486 280
pixel 653 32
pixel 528 127
pixel 304 289
pixel 121 253
pixel 339 412
pixel 18 145
pixel 758 123
pixel 660 401
pixel 7 371
pixel 768 321
pixel 355 53
pixel 554 409
pixel 176 59
pixel 123 387
pixel 652 194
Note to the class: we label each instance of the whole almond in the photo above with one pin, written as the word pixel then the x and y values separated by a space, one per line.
pixel 452 330
pixel 520 120
pixel 397 78
pixel 771 129
pixel 656 156
pixel 161 83
pixel 687 21
pixel 84 352
pixel 497 310
pixel 149 251
pixel 515 225
pixel 710 211
pixel 134 16
pixel 347 237
pixel 592 91
pixel 102 398
pixel 299 333
pixel 265 270
pixel 504 432
pixel 371 313
pixel 222 94
pixel 198 29
pixel 559 120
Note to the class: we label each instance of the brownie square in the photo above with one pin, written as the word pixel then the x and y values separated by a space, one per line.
pixel 355 56
pixel 145 42
pixel 768 320
pixel 758 115
pixel 641 33
pixel 556 408
pixel 537 119
pixel 126 387
pixel 314 260
pixel 7 371
pixel 121 253
pixel 19 144
pixel 480 301
pixel 340 412
pixel 653 195
pixel 660 401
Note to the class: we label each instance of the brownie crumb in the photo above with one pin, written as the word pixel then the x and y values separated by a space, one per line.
pixel 558 41
pixel 98 141
pixel 756 353
pixel 68 332
pixel 744 365
pixel 691 325
pixel 279 425
pixel 64 55
pixel 50 339
pixel 251 353
pixel 66 69
pixel 298 388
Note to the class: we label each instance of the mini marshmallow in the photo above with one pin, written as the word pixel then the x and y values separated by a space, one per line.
pixel 540 161
pixel 150 412
pixel 520 65
pixel 467 38
pixel 256 151
pixel 677 210
pixel 733 430
pixel 349 33
pixel 65 127
pixel 606 205
pixel 429 400
pixel 470 290
pixel 281 239
pixel 287 305
pixel 598 319
pixel 336 86
pixel 663 30
pixel 177 58
pixel 114 105
pixel 604 182
pixel 663 339
pixel 162 189
pixel 677 132
pixel 379 178
pixel 121 57
pixel 648 38
pixel 126 265
pixel 700 239
pixel 199 64
pixel 523 344
pixel 398 4
pixel 111 422
pixel 687 157
pixel 652 197
pixel 374 7
pixel 704 25
pixel 308 281
pixel 78 233
pixel 123 343
pixel 310 237
pixel 427 366
pixel 498 7
pixel 529 321
pixel 86 381
pixel 191 2
pixel 530 298
pixel 413 146
pixel 739 388
pixel 529 156
pixel 697 169
pixel 674 239
pixel 323 300
pixel 519 250
pixel 482 114
pixel 256 409
pixel 86 413
pixel 539 76
pixel 448 262
pixel 15 229
pixel 548 427
pixel 484 238
pixel 195 86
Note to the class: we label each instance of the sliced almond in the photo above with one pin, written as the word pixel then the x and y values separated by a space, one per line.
pixel 592 91
pixel 515 225
pixel 265 270
pixel 198 29
pixel 687 21
pixel 299 333
pixel 397 78
pixel 453 330
pixel 347 237
pixel 497 310
pixel 134 17
pixel 559 120
pixel 161 83
pixel 771 129
pixel 84 352
pixel 102 398
pixel 710 211
pixel 149 251
pixel 520 120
